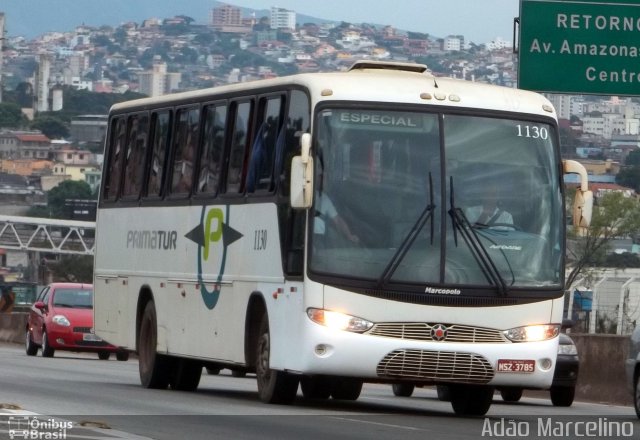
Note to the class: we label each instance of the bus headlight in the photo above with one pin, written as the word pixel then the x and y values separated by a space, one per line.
pixel 533 333
pixel 339 321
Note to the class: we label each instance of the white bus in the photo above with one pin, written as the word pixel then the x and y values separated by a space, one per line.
pixel 319 231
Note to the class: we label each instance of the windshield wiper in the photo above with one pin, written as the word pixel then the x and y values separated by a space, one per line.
pixel 398 256
pixel 478 250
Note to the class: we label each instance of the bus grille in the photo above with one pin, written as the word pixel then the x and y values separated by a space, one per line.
pixel 422 331
pixel 436 365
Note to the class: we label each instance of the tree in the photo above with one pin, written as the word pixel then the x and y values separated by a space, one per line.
pixel 73 268
pixel 629 175
pixel 633 158
pixel 50 126
pixel 57 196
pixel 11 116
pixel 614 216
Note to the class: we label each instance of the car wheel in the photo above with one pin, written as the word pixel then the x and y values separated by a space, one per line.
pixel 511 394
pixel 122 356
pixel 47 351
pixel 31 348
pixel 403 389
pixel 104 355
pixel 562 396
pixel 273 386
pixel 154 368
pixel 636 396
pixel 471 400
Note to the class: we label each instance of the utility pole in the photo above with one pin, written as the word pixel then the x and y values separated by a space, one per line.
pixel 1 44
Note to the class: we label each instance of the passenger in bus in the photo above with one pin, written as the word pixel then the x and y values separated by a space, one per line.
pixel 185 169
pixel 489 214
pixel 325 210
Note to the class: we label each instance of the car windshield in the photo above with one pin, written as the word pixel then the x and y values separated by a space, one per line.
pixel 417 198
pixel 73 298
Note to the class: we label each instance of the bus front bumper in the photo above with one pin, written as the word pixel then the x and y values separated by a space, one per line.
pixel 374 358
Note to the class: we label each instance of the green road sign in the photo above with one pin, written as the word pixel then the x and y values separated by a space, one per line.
pixel 580 46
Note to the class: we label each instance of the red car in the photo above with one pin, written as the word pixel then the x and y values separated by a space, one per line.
pixel 62 319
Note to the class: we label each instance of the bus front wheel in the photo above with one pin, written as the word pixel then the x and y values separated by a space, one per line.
pixel 154 368
pixel 315 387
pixel 346 388
pixel 273 386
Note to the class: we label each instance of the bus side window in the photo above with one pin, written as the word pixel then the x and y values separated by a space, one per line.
pixel 135 155
pixel 238 149
pixel 265 144
pixel 159 142
pixel 215 117
pixel 116 153
pixel 185 146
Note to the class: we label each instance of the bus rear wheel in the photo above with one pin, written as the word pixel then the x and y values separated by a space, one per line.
pixel 154 368
pixel 471 400
pixel 186 375
pixel 273 386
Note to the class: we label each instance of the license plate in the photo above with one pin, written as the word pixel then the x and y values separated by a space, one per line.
pixel 516 366
pixel 91 337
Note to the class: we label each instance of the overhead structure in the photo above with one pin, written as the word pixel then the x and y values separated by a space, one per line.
pixel 47 235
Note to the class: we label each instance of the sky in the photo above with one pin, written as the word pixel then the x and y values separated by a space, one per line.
pixel 479 21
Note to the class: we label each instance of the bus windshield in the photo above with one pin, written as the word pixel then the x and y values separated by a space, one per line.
pixel 417 198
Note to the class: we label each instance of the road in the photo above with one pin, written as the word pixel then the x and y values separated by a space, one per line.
pixel 105 396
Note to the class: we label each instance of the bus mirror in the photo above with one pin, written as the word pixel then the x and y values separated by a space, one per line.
pixel 582 208
pixel 583 201
pixel 302 175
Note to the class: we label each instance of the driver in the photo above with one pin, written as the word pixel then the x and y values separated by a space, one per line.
pixel 326 210
pixel 489 213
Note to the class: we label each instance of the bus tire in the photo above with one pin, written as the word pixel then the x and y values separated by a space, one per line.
pixel 444 395
pixel 213 370
pixel 186 375
pixel 273 386
pixel 346 388
pixel 471 400
pixel 315 387
pixel 154 368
